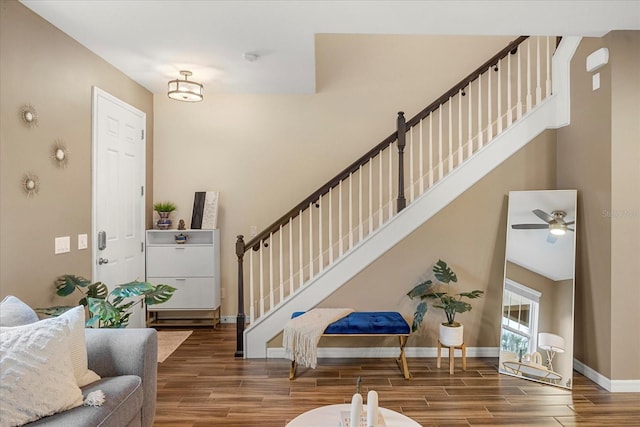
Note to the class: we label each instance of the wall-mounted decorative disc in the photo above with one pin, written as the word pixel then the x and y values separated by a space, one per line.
pixel 60 153
pixel 30 184
pixel 29 116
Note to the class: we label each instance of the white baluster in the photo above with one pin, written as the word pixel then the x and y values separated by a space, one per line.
pixel 290 256
pixel 320 237
pixel 271 287
pixel 390 189
pixel 529 91
pixel 519 88
pixel 410 196
pixel 350 211
pixel 261 293
pixel 340 214
pixel 460 150
pixel 450 155
pixel 549 56
pixel 538 71
pixel 370 196
pixel 281 262
pixel 489 109
pixel 310 240
pixel 470 119
pixel 440 163
pixel 360 225
pixel 430 149
pixel 252 298
pixel 300 251
pixel 380 204
pixel 330 226
pixel 499 129
pixel 509 100
pixel 480 140
pixel 421 161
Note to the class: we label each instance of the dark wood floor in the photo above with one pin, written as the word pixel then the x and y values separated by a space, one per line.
pixel 203 384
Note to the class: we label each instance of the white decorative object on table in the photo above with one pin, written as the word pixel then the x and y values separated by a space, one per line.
pixel 356 409
pixel 372 409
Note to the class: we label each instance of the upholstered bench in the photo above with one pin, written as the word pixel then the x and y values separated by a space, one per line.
pixel 369 324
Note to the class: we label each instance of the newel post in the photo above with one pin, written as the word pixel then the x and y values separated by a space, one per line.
pixel 240 318
pixel 402 131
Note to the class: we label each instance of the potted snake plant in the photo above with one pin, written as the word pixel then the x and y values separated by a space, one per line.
pixel 451 332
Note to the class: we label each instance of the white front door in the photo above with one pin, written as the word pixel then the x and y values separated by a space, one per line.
pixel 118 193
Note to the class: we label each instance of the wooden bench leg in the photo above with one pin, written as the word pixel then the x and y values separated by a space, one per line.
pixel 292 370
pixel 452 352
pixel 464 357
pixel 403 358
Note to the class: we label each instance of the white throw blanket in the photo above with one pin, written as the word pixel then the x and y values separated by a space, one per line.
pixel 301 335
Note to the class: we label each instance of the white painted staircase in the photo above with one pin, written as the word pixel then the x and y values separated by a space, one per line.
pixel 549 113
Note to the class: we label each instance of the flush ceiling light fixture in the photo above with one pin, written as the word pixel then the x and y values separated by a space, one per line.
pixel 185 90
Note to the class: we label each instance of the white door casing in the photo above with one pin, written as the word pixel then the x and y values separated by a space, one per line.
pixel 118 193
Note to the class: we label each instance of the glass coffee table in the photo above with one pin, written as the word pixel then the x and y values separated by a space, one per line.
pixel 329 416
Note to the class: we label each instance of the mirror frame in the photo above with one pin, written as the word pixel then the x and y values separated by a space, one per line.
pixel 539 268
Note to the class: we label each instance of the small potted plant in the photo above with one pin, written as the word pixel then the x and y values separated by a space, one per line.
pixel 164 209
pixel 451 332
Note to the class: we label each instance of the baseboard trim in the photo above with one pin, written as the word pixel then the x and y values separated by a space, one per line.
pixel 228 319
pixel 614 386
pixel 383 352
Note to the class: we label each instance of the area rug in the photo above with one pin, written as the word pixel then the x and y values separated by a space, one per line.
pixel 169 341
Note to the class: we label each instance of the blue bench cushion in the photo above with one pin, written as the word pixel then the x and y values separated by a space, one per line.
pixel 367 322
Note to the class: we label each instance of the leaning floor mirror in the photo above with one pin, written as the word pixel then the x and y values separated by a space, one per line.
pixel 538 294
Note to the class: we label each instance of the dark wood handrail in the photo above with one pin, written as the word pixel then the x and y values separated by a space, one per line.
pixel 344 174
pixel 313 197
pixel 511 47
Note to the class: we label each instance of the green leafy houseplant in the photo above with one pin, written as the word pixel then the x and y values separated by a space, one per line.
pixel 450 303
pixel 108 309
pixel 164 207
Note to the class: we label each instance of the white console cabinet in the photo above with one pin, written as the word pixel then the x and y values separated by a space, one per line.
pixel 192 267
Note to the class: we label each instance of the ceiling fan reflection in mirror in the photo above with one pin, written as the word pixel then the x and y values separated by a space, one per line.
pixel 555 223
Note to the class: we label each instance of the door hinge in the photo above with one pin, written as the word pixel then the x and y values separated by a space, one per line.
pixel 142 190
pixel 142 134
pixel 141 246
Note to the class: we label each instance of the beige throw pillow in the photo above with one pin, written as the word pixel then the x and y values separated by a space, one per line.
pixel 36 374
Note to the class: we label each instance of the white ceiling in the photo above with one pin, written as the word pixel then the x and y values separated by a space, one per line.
pixel 151 40
pixel 530 248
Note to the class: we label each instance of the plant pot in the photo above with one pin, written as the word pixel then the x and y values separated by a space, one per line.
pixel 164 223
pixel 451 335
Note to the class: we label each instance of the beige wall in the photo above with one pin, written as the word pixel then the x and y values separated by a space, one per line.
pixel 624 48
pixel 265 153
pixel 599 155
pixel 42 66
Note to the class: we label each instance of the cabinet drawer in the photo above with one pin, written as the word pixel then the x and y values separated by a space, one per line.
pixel 180 261
pixel 191 294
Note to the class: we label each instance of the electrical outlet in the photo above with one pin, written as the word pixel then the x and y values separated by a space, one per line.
pixel 222 293
pixel 253 231
pixel 82 241
pixel 62 245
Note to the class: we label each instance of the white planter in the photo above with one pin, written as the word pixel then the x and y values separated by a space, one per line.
pixel 451 336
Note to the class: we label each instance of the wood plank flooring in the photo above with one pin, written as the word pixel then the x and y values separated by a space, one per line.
pixel 202 384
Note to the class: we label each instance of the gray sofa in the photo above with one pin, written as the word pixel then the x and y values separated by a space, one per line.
pixel 127 361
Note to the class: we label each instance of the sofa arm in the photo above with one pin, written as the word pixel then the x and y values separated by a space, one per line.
pixel 114 352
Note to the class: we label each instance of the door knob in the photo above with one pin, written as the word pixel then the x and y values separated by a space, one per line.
pixel 103 261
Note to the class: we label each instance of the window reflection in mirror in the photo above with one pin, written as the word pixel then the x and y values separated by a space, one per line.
pixel 538 295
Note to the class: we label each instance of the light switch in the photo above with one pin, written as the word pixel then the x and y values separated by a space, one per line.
pixel 595 81
pixel 82 241
pixel 62 245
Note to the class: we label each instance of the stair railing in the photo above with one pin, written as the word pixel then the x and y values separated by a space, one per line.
pixel 340 214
